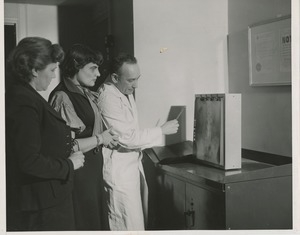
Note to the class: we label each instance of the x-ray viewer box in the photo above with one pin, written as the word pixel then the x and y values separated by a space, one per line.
pixel 217 130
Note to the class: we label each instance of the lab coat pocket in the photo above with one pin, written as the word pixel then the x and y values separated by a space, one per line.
pixel 125 168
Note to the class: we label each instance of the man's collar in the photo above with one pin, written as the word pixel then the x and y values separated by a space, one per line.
pixel 115 89
pixel 117 92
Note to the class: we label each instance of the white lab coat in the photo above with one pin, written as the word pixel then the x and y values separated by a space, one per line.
pixel 125 185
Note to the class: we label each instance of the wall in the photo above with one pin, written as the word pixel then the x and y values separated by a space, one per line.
pixel 266 111
pixel 35 20
pixel 192 36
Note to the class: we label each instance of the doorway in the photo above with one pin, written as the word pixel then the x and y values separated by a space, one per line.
pixel 10 41
pixel 10 38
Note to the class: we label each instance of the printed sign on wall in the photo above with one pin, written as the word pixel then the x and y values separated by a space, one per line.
pixel 270 52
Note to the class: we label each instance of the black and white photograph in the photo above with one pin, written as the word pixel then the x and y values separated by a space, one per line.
pixel 150 117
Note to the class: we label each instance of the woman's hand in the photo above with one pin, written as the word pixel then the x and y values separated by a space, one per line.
pixel 108 138
pixel 77 159
pixel 170 127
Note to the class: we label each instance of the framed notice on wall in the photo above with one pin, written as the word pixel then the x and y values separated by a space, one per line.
pixel 269 44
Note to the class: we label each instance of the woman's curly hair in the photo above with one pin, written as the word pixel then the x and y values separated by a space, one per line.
pixel 32 53
pixel 77 57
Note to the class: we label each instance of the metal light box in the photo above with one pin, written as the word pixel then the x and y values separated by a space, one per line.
pixel 217 130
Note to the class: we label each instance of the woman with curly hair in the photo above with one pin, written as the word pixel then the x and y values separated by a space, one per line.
pixel 40 161
pixel 78 105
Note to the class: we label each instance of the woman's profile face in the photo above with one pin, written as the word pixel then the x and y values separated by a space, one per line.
pixel 87 76
pixel 43 77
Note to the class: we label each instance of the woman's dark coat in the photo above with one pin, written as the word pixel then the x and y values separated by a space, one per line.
pixel 38 144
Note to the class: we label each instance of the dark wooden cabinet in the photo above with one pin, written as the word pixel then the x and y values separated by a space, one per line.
pixel 206 202
pixel 185 194
pixel 171 191
pixel 183 205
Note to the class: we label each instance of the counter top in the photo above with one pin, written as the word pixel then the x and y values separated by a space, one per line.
pixel 178 160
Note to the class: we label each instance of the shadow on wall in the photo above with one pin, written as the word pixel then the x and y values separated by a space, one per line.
pixel 179 113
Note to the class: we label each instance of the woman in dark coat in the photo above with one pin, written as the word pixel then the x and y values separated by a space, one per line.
pixel 39 160
pixel 79 107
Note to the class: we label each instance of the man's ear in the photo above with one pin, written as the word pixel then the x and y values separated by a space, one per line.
pixel 114 78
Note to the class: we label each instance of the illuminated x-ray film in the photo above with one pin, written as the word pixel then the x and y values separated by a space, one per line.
pixel 217 130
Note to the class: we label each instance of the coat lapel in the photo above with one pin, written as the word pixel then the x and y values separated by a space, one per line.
pixel 46 104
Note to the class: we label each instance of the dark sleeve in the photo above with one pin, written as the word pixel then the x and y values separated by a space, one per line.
pixel 27 143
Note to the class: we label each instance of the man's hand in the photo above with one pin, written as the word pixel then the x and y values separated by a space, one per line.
pixel 170 127
pixel 108 138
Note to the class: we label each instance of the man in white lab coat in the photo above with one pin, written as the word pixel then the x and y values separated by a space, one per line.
pixel 125 185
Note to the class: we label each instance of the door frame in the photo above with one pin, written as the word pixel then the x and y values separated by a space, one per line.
pixel 13 21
